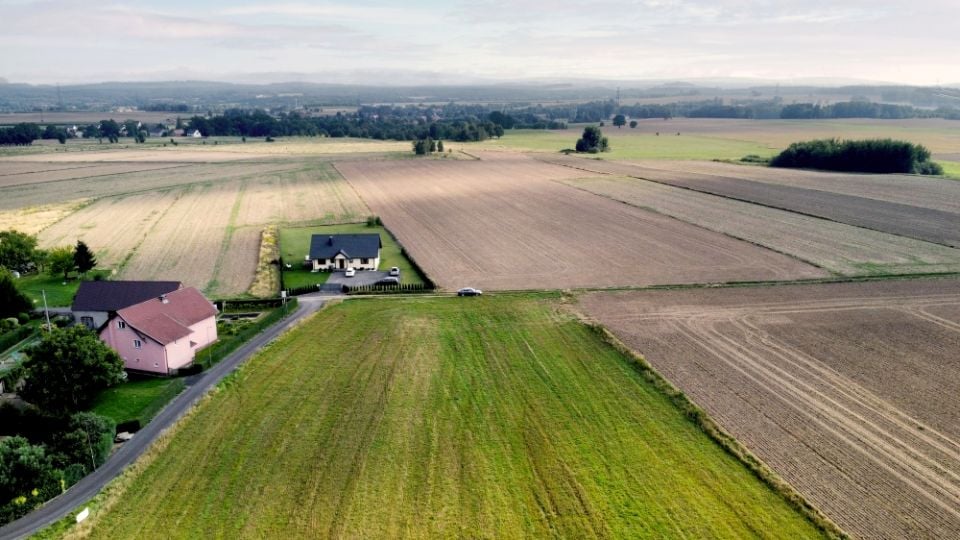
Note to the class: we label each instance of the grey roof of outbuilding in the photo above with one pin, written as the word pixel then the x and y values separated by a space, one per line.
pixel 353 246
pixel 116 295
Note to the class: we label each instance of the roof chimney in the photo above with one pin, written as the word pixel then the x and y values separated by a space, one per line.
pixel 330 240
pixel 163 298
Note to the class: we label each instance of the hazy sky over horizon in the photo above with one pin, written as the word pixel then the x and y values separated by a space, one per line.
pixel 71 41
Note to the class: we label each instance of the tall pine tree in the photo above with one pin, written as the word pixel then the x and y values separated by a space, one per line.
pixel 83 258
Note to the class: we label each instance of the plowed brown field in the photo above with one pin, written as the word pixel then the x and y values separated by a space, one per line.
pixel 501 223
pixel 838 247
pixel 861 210
pixel 849 391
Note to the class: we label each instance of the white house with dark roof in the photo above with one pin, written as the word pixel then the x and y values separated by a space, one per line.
pixel 343 251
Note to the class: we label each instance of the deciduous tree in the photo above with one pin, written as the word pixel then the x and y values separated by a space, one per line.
pixel 67 368
pixel 60 261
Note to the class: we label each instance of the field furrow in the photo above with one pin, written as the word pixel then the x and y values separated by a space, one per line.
pixel 840 248
pixel 501 223
pixel 919 222
pixel 840 388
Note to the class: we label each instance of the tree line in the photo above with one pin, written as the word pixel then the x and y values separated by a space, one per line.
pixel 868 156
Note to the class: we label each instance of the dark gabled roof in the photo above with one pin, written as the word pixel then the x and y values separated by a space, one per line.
pixel 116 295
pixel 169 319
pixel 353 246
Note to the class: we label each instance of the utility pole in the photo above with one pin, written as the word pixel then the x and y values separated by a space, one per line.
pixel 46 310
pixel 59 97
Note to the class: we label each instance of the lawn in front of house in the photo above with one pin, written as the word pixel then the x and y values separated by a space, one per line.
pixel 137 399
pixel 59 293
pixel 295 244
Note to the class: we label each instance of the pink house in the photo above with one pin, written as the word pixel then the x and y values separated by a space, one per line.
pixel 162 334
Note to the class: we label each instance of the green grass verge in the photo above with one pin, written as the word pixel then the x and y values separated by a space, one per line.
pixel 137 399
pixel 444 417
pixel 295 243
pixel 59 292
pixel 226 344
pixel 628 145
pixel 951 169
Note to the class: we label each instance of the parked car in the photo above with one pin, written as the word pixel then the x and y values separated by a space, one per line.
pixel 389 281
pixel 469 291
pixel 350 272
pixel 395 271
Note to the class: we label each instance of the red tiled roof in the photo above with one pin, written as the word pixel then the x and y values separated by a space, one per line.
pixel 170 321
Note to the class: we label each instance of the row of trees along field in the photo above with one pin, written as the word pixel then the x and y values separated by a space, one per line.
pixel 868 156
pixel 19 253
pixel 51 440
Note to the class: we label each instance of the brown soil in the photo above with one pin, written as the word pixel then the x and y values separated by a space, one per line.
pixel 923 223
pixel 500 223
pixel 848 391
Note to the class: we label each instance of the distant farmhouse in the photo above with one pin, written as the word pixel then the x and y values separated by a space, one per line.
pixel 343 251
pixel 155 326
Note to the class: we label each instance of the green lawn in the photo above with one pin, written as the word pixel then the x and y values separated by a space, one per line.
pixel 59 292
pixel 443 417
pixel 632 145
pixel 951 168
pixel 295 243
pixel 137 399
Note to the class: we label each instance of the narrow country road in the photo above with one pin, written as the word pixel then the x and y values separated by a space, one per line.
pixel 85 489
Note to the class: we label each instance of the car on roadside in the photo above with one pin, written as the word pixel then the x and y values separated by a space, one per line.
pixel 395 271
pixel 469 291
pixel 350 272
pixel 389 280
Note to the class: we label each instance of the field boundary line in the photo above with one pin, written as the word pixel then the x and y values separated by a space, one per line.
pixel 713 430
pixel 764 205
pixel 704 227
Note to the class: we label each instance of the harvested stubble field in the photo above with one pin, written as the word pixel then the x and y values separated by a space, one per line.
pixel 434 418
pixel 501 223
pixel 33 219
pixel 920 222
pixel 201 226
pixel 840 248
pixel 79 171
pixel 847 390
pixel 924 191
pixel 13 197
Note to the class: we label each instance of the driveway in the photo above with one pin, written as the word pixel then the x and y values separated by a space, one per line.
pixel 363 277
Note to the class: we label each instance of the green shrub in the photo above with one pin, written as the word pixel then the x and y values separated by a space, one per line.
pixel 867 156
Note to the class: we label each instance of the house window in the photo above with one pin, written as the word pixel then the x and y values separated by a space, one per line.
pixel 365 261
pixel 87 321
pixel 137 344
pixel 121 325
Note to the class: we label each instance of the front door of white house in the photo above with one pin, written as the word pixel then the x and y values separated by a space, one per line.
pixel 340 263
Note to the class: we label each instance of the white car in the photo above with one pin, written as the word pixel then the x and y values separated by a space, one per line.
pixel 394 271
pixel 350 272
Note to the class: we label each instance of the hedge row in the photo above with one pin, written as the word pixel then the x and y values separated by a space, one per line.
pixel 221 349
pixel 867 156
pixel 386 289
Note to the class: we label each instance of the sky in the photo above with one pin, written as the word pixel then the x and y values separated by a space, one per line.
pixel 416 42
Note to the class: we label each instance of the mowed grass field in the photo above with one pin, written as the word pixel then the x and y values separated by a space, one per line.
pixel 719 138
pixel 484 417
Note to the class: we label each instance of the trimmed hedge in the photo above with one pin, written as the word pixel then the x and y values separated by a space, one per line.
pixel 11 338
pixel 867 156
pixel 222 348
pixel 402 288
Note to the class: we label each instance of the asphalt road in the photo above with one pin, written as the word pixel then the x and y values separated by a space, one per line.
pixel 85 489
